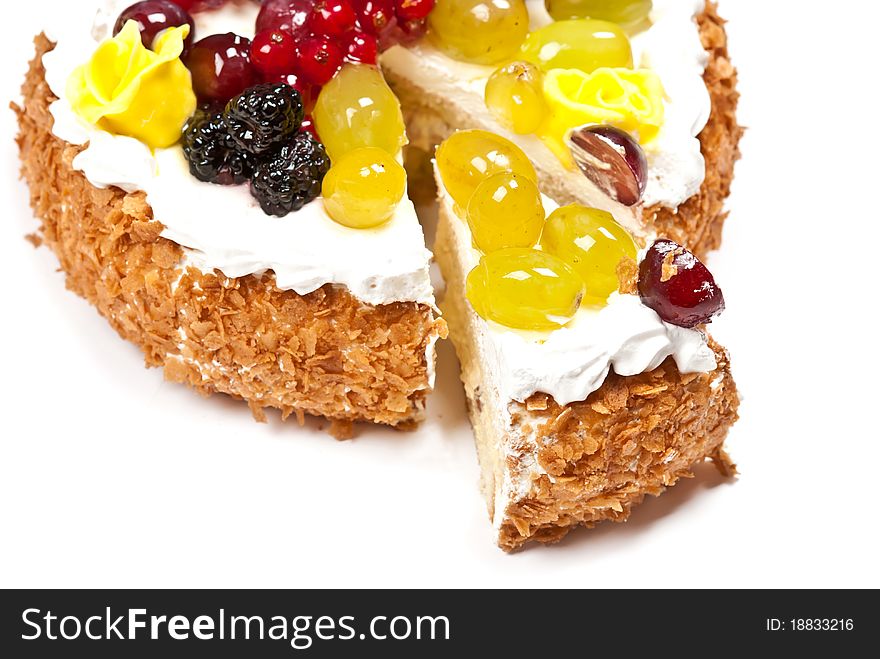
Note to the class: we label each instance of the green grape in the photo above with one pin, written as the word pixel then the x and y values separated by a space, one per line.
pixel 593 244
pixel 479 31
pixel 524 289
pixel 469 156
pixel 363 188
pixel 583 44
pixel 515 97
pixel 357 109
pixel 623 12
pixel 505 211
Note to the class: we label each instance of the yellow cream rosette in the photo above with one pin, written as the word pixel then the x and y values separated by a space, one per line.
pixel 128 89
pixel 631 100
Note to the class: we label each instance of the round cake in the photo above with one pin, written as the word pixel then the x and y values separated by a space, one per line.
pixel 230 184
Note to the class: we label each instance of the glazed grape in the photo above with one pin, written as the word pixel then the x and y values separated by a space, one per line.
pixel 613 160
pixel 578 44
pixel 479 31
pixel 358 109
pixel 363 188
pixel 675 284
pixel 286 15
pixel 524 289
pixel 593 244
pixel 623 12
pixel 221 67
pixel 469 157
pixel 515 97
pixel 505 211
pixel 155 16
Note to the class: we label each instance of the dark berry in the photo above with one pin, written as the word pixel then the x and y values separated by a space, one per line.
pixel 319 59
pixel 612 160
pixel 155 16
pixel 211 152
pixel 674 283
pixel 332 18
pixel 307 91
pixel 263 116
pixel 221 67
pixel 273 53
pixel 292 177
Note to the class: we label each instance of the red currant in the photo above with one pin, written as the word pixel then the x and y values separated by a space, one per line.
pixel 374 15
pixel 363 48
pixel 675 284
pixel 221 67
pixel 273 53
pixel 319 59
pixel 332 18
pixel 413 10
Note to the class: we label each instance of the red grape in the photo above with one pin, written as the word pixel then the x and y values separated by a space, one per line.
pixel 674 283
pixel 221 67
pixel 155 16
pixel 612 160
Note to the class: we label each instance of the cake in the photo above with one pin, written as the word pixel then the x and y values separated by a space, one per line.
pixel 229 183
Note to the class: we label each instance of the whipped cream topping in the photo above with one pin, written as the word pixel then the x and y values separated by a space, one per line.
pixel 223 227
pixel 670 46
pixel 572 362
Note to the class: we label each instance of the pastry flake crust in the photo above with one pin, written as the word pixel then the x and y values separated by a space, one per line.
pixel 325 353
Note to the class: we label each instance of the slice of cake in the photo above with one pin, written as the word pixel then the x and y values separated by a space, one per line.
pixel 219 239
pixel 589 380
pixel 442 83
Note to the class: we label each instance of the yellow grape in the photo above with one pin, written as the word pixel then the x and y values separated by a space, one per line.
pixel 505 211
pixel 479 31
pixel 363 188
pixel 470 156
pixel 593 244
pixel 515 97
pixel 583 44
pixel 524 289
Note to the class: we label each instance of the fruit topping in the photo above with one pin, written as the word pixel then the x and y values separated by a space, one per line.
pixel 623 12
pixel 578 44
pixel 505 211
pixel 413 10
pixel 374 16
pixel 479 31
pixel 623 98
pixel 612 160
pixel 675 284
pixel 469 157
pixel 200 5
pixel 515 97
pixel 290 177
pixel 363 48
pixel 357 109
pixel 320 59
pixel 155 16
pixel 524 289
pixel 273 53
pixel 286 15
pixel 127 89
pixel 221 67
pixel 263 116
pixel 363 188
pixel 332 18
pixel 593 244
pixel 212 153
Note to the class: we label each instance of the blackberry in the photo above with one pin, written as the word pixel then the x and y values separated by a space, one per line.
pixel 291 177
pixel 210 151
pixel 264 116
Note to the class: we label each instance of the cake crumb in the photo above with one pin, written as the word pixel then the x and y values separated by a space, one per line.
pixel 34 239
pixel 628 276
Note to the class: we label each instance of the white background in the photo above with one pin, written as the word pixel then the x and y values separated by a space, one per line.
pixel 110 476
